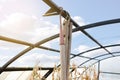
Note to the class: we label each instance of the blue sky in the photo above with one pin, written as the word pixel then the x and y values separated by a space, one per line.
pixel 92 11
pixel 23 20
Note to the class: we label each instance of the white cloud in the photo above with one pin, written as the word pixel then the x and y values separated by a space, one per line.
pixel 82 48
pixel 28 28
pixel 18 22
pixel 79 20
pixel 16 25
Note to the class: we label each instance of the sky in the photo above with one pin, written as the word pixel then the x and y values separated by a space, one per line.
pixel 23 20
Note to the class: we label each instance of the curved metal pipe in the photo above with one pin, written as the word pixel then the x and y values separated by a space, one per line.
pixel 106 22
pixel 114 45
pixel 98 57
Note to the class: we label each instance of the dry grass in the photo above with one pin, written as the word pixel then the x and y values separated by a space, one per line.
pixel 35 75
pixel 89 74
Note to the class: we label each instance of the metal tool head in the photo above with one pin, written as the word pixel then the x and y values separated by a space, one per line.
pixel 51 12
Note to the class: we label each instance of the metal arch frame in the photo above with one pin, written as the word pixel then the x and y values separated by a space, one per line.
pixel 29 44
pixel 97 48
pixel 99 57
pixel 93 58
pixel 111 56
pixel 26 43
pixel 78 28
pixel 48 39
pixel 101 23
pixel 58 10
pixel 100 61
pixel 104 58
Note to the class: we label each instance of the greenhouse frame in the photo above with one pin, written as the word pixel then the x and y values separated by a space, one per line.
pixel 86 63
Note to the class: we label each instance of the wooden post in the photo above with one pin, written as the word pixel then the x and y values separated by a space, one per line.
pixel 65 48
pixel 65 37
